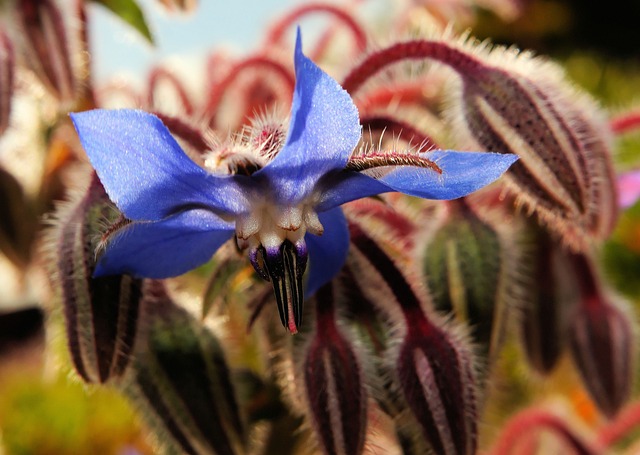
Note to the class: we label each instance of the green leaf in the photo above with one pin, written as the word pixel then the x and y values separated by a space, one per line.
pixel 130 12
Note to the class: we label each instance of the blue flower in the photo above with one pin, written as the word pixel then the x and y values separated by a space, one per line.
pixel 282 214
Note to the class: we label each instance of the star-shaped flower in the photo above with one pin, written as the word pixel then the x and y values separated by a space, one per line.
pixel 282 214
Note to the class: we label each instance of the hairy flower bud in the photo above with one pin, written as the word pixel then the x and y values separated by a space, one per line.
pixel 517 104
pixel 433 366
pixel 514 104
pixel 333 383
pixel 100 314
pixel 465 273
pixel 602 342
pixel 181 381
pixel 46 46
pixel 7 70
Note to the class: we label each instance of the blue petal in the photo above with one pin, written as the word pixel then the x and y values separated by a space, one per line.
pixel 162 249
pixel 462 174
pixel 144 170
pixel 324 129
pixel 328 252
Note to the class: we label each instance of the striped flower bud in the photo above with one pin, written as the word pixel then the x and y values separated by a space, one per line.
pixel 433 366
pixel 547 294
pixel 100 314
pixel 46 46
pixel 333 383
pixel 465 273
pixel 513 103
pixel 517 104
pixel 602 342
pixel 7 70
pixel 181 381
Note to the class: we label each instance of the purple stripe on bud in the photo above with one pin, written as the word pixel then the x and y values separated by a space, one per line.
pixel 333 383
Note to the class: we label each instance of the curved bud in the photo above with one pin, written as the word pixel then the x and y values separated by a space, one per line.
pixel 513 103
pixel 602 343
pixel 7 70
pixel 100 314
pixel 433 366
pixel 565 173
pixel 465 272
pixel 46 46
pixel 333 383
pixel 181 381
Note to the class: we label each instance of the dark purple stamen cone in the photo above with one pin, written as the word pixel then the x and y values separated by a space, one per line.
pixel 602 343
pixel 333 383
pixel 100 314
pixel 181 381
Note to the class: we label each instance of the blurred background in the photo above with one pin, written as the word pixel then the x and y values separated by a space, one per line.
pixel 44 409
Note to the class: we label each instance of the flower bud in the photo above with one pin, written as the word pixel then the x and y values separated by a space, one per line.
pixel 465 274
pixel 101 313
pixel 602 343
pixel 513 103
pixel 7 70
pixel 181 381
pixel 435 371
pixel 546 292
pixel 517 104
pixel 333 383
pixel 46 47
pixel 433 367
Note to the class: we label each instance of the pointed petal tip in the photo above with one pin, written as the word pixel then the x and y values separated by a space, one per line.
pixel 298 40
